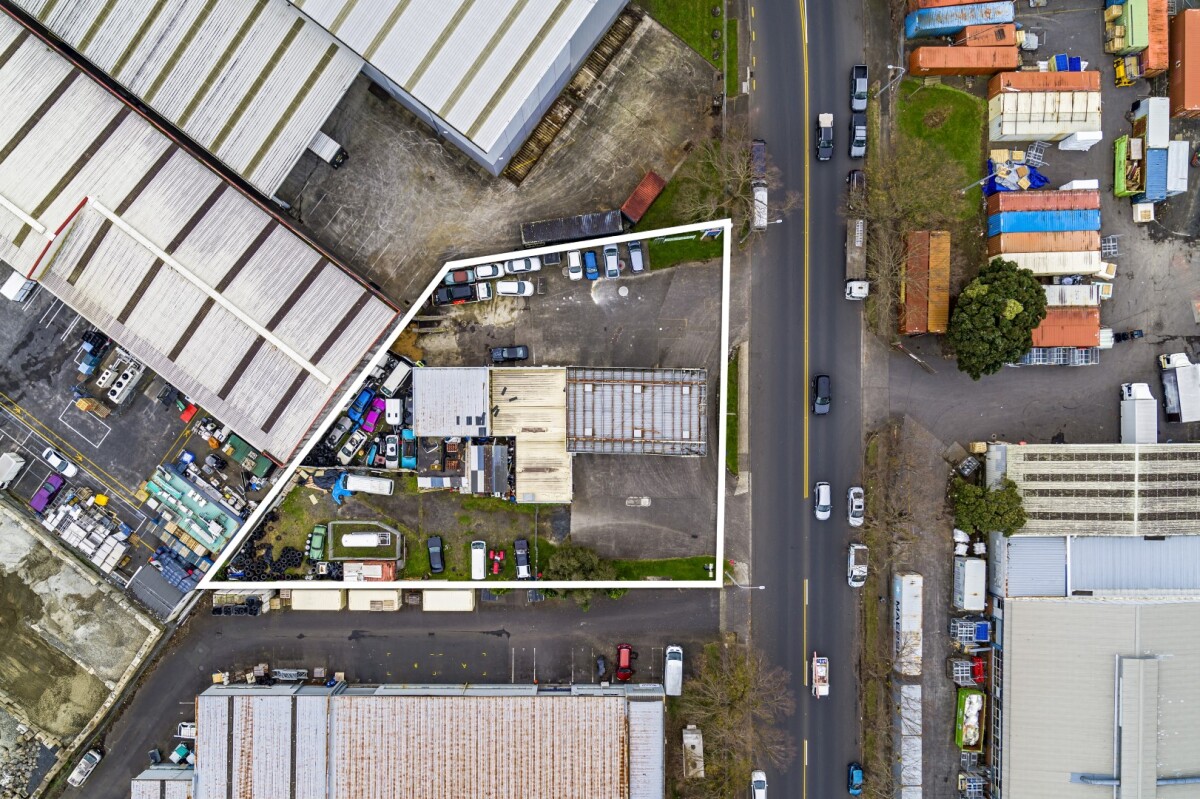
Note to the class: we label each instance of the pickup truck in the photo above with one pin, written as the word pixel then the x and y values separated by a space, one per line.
pixel 858 88
pixel 858 136
pixel 857 286
pixel 856 566
pixel 824 137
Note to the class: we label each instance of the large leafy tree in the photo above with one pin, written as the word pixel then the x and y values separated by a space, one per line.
pixel 573 562
pixel 994 318
pixel 980 510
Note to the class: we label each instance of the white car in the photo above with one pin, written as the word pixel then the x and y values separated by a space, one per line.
pixel 489 271
pixel 515 288
pixel 351 447
pixel 58 463
pixel 84 770
pixel 575 265
pixel 856 506
pixel 758 785
pixel 856 566
pixel 522 266
pixel 822 501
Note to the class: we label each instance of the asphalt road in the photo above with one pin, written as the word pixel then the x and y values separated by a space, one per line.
pixel 552 642
pixel 803 327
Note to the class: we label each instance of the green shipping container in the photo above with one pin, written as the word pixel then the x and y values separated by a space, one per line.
pixel 1136 19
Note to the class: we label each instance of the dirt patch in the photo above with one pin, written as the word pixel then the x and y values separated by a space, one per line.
pixel 936 117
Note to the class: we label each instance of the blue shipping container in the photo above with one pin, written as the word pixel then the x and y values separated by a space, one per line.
pixel 1156 177
pixel 1042 221
pixel 951 19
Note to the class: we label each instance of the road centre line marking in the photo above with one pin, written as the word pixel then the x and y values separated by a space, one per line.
pixel 804 771
pixel 805 633
pixel 807 149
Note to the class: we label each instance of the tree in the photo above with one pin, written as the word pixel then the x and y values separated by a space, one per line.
pixel 573 562
pixel 994 318
pixel 980 510
pixel 715 182
pixel 737 700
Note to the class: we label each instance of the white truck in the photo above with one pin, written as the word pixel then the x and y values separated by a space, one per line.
pixel 11 465
pixel 970 584
pixel 857 287
pixel 673 670
pixel 856 566
pixel 758 182
pixel 820 676
pixel 1139 414
pixel 369 485
pixel 907 623
pixel 1181 387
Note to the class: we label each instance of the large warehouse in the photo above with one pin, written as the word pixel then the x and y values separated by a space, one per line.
pixel 179 267
pixel 428 742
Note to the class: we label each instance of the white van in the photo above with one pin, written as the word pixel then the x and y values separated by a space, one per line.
pixel 396 379
pixel 673 670
pixel 478 560
pixel 393 411
pixel 369 485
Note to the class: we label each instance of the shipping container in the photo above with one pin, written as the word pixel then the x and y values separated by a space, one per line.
pixel 1042 116
pixel 917 5
pixel 907 623
pixel 1076 295
pixel 1049 264
pixel 1069 241
pixel 987 36
pixel 318 599
pixel 1068 327
pixel 1088 81
pixel 1043 201
pixel 938 302
pixel 1152 121
pixel 962 60
pixel 914 288
pixel 970 584
pixel 1177 167
pixel 1135 19
pixel 1156 178
pixel 1046 221
pixel 643 195
pixel 376 599
pixel 1184 81
pixel 572 228
pixel 448 600
pixel 949 20
pixel 1154 60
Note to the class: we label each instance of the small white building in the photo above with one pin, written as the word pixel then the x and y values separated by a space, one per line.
pixel 376 599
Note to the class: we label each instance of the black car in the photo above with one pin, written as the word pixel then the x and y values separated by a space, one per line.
pixel 506 354
pixel 454 295
pixel 821 398
pixel 521 547
pixel 434 545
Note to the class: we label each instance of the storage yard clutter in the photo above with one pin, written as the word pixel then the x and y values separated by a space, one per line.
pixel 1045 106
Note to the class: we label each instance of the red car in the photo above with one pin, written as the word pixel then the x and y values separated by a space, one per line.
pixel 625 658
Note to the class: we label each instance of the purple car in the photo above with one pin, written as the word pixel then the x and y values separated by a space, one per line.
pixel 373 415
pixel 47 492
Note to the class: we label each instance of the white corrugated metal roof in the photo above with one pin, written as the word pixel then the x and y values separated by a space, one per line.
pixel 475 65
pixel 180 268
pixel 647 741
pixel 251 82
pixel 1156 566
pixel 312 747
pixel 637 411
pixel 212 746
pixel 1037 566
pixel 450 401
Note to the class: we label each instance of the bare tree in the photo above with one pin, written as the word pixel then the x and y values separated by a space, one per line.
pixel 717 182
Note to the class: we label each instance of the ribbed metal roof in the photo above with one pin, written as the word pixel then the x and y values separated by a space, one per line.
pixel 530 404
pixel 1157 566
pixel 647 739
pixel 637 411
pixel 251 82
pixel 181 269
pixel 450 401
pixel 1036 566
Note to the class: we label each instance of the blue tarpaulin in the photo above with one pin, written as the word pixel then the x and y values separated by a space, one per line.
pixel 1036 181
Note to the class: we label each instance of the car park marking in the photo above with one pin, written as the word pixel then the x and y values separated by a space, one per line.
pixel 80 433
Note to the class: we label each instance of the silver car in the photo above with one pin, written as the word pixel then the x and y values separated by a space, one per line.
pixel 856 506
pixel 523 266
pixel 822 501
pixel 612 267
pixel 351 447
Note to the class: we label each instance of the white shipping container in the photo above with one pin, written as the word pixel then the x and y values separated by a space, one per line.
pixel 448 600
pixel 970 584
pixel 318 599
pixel 1157 113
pixel 1044 116
pixel 1072 296
pixel 1081 141
pixel 376 599
pixel 1177 167
pixel 1139 414
pixel 1048 264
pixel 1080 184
pixel 907 620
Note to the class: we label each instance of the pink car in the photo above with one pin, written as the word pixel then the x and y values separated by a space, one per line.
pixel 372 418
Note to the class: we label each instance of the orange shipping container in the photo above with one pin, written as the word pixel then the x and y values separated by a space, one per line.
pixel 917 5
pixel 1074 200
pixel 1185 64
pixel 914 289
pixel 1068 327
pixel 1067 241
pixel 1045 82
pixel 1154 59
pixel 938 302
pixel 987 36
pixel 962 60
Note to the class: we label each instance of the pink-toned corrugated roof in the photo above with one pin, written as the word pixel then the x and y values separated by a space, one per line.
pixel 646 193
pixel 1068 327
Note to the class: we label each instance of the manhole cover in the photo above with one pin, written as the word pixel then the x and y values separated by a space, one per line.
pixel 623 291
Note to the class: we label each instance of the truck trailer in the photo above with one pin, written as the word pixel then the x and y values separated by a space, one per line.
pixel 758 182
pixel 907 621
pixel 857 287
pixel 1181 387
pixel 1139 414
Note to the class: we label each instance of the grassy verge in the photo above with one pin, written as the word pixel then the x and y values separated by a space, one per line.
pixel 693 22
pixel 733 86
pixel 952 122
pixel 672 568
pixel 664 213
pixel 493 505
pixel 731 416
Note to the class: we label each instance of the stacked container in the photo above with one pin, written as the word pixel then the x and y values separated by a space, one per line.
pixel 1047 232
pixel 1152 125
pixel 962 60
pixel 1185 64
pixel 947 20
pixel 925 290
pixel 1043 106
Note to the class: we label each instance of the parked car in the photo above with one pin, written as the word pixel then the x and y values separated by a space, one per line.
pixel 515 288
pixel 854 779
pixel 575 265
pixel 84 768
pixel 359 406
pixel 460 277
pixel 434 545
pixel 590 269
pixel 507 354
pixel 612 267
pixel 351 447
pixel 858 135
pixel 340 428
pixel 822 399
pixel 625 658
pixel 636 265
pixel 523 266
pixel 758 785
pixel 46 492
pixel 488 271
pixel 856 506
pixel 316 543
pixel 391 452
pixel 858 87
pixel 408 449
pixel 58 463
pixel 822 501
pixel 372 419
pixel 453 295
pixel 857 562
pixel 521 552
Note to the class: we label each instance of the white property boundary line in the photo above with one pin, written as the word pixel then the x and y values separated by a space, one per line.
pixel 210 582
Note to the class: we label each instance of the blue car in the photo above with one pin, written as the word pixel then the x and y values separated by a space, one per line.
pixel 360 405
pixel 408 449
pixel 854 779
pixel 591 269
